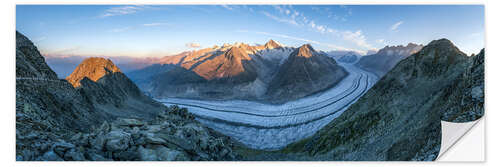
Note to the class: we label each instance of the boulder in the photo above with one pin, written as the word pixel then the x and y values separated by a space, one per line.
pixel 146 154
pixel 51 156
pixel 94 156
pixel 75 155
pixel 152 139
pixel 126 155
pixel 129 122
pixel 166 154
pixel 61 147
pixel 117 140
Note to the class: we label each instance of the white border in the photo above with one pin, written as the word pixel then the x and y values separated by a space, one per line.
pixel 7 68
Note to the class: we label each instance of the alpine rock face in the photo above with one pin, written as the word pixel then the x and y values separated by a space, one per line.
pixel 107 87
pixel 231 71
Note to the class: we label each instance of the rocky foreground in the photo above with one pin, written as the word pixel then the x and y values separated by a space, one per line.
pixel 173 136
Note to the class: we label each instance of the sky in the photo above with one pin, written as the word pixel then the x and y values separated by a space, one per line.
pixel 162 30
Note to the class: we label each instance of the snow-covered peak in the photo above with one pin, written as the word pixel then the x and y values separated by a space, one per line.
pixel 271 44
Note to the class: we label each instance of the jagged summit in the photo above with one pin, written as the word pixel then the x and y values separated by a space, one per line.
pixel 237 52
pixel 386 58
pixel 271 44
pixel 93 68
pixel 443 43
pixel 409 45
pixel 412 44
pixel 305 50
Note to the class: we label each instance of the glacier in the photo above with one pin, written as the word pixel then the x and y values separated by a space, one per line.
pixel 271 126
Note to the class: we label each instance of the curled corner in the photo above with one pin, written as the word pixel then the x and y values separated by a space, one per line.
pixel 451 132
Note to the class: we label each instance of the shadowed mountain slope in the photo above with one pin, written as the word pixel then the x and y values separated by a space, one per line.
pixel 304 72
pixel 399 117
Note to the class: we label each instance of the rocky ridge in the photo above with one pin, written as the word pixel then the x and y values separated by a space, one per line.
pixel 55 121
pixel 111 91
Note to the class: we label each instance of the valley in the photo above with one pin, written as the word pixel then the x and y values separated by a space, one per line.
pixel 271 126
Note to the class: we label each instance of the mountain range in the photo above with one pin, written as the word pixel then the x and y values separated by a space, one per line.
pixel 269 73
pixel 386 58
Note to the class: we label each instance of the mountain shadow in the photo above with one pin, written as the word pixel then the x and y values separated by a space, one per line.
pixel 399 118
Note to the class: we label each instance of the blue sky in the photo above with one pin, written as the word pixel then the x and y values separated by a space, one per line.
pixel 160 30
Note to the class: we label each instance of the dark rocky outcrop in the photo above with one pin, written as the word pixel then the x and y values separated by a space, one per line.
pixel 47 108
pixel 465 97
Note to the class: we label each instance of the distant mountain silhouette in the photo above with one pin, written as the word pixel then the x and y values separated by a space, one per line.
pixel 386 58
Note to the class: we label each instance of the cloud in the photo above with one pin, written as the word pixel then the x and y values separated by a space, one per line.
pixel 68 50
pixel 155 24
pixel 40 39
pixel 122 10
pixel 336 14
pixel 227 7
pixel 331 46
pixel 473 35
pixel 279 19
pixel 193 45
pixel 357 38
pixel 395 26
pixel 291 16
pixel 320 28
pixel 122 29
